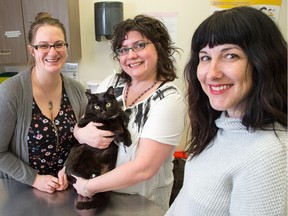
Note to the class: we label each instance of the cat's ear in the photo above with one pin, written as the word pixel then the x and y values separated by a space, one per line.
pixel 110 91
pixel 89 95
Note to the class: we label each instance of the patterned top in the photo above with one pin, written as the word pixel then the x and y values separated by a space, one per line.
pixel 49 142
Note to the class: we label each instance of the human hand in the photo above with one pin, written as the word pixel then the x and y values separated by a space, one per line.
pixel 93 136
pixel 63 182
pixel 81 186
pixel 46 183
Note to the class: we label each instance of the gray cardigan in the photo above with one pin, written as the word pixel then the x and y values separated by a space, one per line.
pixel 15 118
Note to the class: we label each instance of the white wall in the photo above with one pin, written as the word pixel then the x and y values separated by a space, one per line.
pixel 96 62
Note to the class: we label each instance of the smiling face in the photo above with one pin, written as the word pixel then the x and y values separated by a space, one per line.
pixel 51 61
pixel 142 64
pixel 226 77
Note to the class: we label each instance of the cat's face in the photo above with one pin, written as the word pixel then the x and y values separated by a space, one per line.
pixel 103 105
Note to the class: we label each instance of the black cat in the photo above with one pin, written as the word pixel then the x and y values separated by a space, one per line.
pixel 88 162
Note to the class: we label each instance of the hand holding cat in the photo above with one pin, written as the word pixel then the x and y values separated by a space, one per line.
pixel 82 190
pixel 93 136
pixel 63 182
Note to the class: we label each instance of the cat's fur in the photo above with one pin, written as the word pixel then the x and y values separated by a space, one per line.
pixel 88 162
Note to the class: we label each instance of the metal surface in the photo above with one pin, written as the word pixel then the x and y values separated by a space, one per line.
pixel 17 199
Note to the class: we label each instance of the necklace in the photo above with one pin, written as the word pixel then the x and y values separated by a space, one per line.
pixel 137 98
pixel 50 103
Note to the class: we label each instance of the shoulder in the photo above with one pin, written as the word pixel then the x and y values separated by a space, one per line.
pixel 112 80
pixel 168 93
pixel 73 87
pixel 71 82
pixel 265 147
pixel 166 101
pixel 167 89
pixel 272 140
pixel 14 81
pixel 17 85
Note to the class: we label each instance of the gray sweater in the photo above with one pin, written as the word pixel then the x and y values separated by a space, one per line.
pixel 243 173
pixel 15 118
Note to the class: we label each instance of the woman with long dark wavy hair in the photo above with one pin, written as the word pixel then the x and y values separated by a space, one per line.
pixel 237 97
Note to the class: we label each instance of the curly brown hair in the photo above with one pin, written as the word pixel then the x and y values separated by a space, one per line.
pixel 157 33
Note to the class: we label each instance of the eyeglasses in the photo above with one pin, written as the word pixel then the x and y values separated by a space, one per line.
pixel 135 48
pixel 59 47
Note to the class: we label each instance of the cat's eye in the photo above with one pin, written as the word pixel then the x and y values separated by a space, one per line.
pixel 108 105
pixel 96 107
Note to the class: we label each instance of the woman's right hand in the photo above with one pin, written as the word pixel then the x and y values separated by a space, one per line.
pixel 46 183
pixel 93 136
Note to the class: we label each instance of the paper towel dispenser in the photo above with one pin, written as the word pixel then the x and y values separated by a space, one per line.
pixel 106 15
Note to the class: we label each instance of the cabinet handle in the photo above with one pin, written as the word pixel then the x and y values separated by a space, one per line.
pixel 5 52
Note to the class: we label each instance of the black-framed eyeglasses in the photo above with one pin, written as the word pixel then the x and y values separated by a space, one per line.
pixel 135 48
pixel 59 47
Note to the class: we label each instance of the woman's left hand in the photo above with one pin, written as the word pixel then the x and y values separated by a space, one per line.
pixel 63 182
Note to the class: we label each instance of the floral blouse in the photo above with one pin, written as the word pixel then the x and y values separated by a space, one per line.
pixel 49 142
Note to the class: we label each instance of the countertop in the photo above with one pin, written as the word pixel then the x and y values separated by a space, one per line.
pixel 17 199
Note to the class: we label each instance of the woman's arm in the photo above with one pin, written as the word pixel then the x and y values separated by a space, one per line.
pixel 11 140
pixel 144 166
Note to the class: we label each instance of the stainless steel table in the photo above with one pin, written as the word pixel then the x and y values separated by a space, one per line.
pixel 17 199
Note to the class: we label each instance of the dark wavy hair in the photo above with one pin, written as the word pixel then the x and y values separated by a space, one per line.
pixel 41 19
pixel 157 33
pixel 266 49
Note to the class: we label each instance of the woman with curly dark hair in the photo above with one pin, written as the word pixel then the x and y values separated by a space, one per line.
pixel 237 98
pixel 144 88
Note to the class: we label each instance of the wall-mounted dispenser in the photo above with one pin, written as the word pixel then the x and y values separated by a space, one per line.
pixel 106 15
